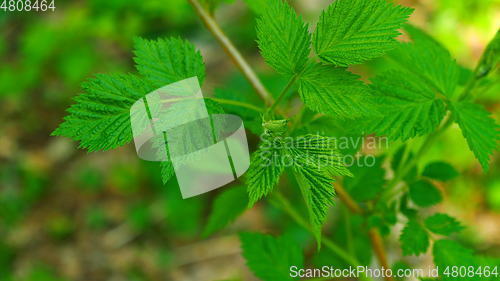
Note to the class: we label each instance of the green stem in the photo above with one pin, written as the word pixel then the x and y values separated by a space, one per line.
pixel 283 93
pixel 238 103
pixel 222 101
pixel 282 203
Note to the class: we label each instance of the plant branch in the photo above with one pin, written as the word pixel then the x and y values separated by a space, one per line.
pixel 378 248
pixel 347 199
pixel 250 75
pixel 233 53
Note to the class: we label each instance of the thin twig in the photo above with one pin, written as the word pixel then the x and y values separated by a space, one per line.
pixel 378 248
pixel 233 53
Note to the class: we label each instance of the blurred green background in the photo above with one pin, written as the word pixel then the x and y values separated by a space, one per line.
pixel 69 215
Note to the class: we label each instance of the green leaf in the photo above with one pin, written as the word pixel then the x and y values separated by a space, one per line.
pixel 448 254
pixel 428 60
pixel 367 181
pixel 317 190
pixel 414 239
pixel 315 162
pixel 424 194
pixel 226 208
pixel 354 31
pixel 177 111
pixel 440 171
pixel 167 171
pixel 169 60
pixel 264 172
pixel 442 224
pixel 478 128
pixel 100 119
pixel 335 92
pixel 270 258
pixel 348 142
pixel 317 152
pixel 410 108
pixel 283 38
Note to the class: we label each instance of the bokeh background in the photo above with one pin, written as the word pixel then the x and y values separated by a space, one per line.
pixel 70 215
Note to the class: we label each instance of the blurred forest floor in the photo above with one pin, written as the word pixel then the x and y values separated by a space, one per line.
pixel 69 215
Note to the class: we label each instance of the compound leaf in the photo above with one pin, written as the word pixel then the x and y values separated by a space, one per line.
pixel 478 128
pixel 100 118
pixel 169 60
pixel 354 31
pixel 283 38
pixel 270 258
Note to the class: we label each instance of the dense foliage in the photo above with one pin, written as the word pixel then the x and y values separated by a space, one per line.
pixel 417 91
